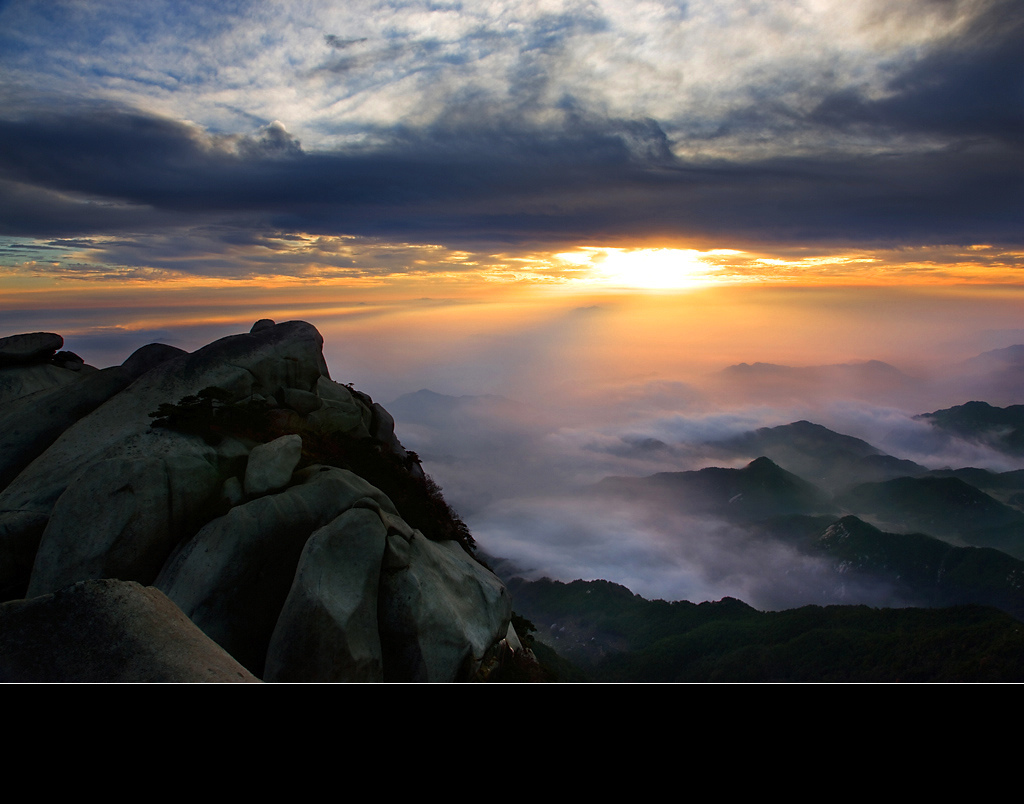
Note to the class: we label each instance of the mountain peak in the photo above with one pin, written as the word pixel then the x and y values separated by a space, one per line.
pixel 763 464
pixel 231 479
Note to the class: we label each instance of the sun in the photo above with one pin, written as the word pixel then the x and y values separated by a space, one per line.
pixel 642 268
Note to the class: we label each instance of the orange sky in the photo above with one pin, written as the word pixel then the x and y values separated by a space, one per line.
pixel 341 261
pixel 569 321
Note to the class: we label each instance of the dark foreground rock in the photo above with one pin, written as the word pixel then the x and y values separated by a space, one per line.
pixel 31 347
pixel 274 507
pixel 108 631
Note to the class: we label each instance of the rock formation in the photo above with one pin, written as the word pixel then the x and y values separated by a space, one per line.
pixel 273 506
pixel 105 631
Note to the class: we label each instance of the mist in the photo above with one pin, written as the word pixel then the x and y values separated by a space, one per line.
pixel 519 403
pixel 525 486
pixel 519 463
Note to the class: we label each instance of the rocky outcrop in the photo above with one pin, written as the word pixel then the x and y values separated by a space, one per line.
pixel 328 628
pixel 271 465
pixel 32 347
pixel 273 506
pixel 31 363
pixel 106 631
pixel 233 576
pixel 33 421
pixel 430 593
pixel 244 366
pixel 122 518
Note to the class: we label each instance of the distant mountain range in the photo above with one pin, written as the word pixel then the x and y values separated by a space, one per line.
pixel 952 538
pixel 999 428
pixel 946 507
pixel 868 380
pixel 933 538
pixel 997 376
pixel 822 456
pixel 757 491
pixel 609 634
pixel 1009 356
pixel 921 536
pixel 869 370
pixel 429 407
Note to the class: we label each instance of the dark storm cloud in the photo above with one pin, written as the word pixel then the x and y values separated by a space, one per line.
pixel 143 159
pixel 34 211
pixel 492 181
pixel 968 87
pixel 491 170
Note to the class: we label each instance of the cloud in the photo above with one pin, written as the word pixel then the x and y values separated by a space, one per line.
pixel 520 475
pixel 597 178
pixel 664 555
pixel 511 127
pixel 338 43
pixel 965 86
pixel 719 70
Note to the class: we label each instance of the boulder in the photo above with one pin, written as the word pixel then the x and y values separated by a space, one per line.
pixel 231 494
pixel 29 425
pixel 136 511
pixel 374 600
pixel 233 577
pixel 271 465
pixel 384 430
pixel 303 402
pixel 150 356
pixel 20 532
pixel 68 360
pixel 440 611
pixel 32 347
pixel 327 630
pixel 18 381
pixel 108 631
pixel 340 412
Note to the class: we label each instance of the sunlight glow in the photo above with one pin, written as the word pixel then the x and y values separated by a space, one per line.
pixel 646 268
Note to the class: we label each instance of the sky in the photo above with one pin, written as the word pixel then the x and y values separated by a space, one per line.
pixel 588 207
